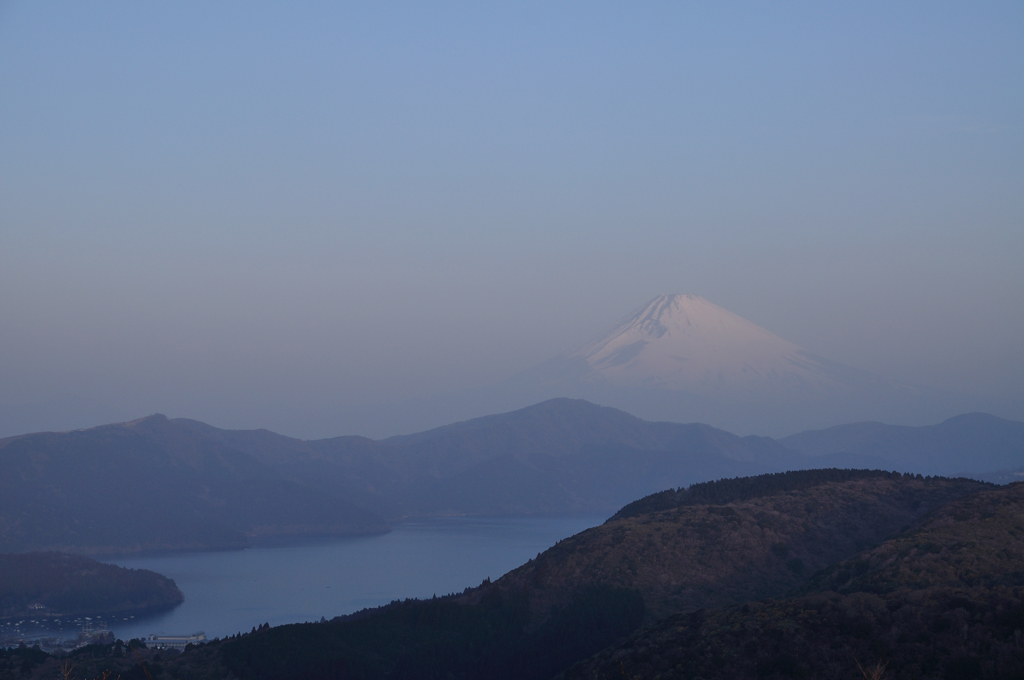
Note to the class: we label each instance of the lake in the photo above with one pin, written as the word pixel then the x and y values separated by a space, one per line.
pixel 230 592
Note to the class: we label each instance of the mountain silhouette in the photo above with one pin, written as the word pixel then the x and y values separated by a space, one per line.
pixel 684 359
pixel 171 484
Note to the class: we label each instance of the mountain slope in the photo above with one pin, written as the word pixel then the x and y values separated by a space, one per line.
pixel 683 358
pixel 975 442
pixel 569 455
pixel 703 554
pixel 560 456
pixel 177 484
pixel 148 485
pixel 557 457
pixel 684 342
pixel 160 484
pixel 595 587
pixel 943 601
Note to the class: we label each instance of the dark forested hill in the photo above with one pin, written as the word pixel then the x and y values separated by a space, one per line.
pixel 974 442
pixel 945 600
pixel 595 587
pixel 57 584
pixel 735 544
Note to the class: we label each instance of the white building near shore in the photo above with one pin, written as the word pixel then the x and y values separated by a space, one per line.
pixel 177 642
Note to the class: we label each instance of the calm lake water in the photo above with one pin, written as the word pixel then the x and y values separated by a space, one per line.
pixel 230 592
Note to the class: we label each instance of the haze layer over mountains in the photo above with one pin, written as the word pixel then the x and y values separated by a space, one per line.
pixel 678 358
pixel 681 358
pixel 177 484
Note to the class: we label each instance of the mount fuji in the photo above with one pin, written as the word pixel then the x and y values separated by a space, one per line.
pixel 681 358
pixel 684 358
pixel 684 342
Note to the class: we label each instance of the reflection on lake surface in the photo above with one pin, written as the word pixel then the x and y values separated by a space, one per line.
pixel 230 592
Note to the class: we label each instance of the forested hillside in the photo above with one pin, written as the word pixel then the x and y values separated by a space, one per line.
pixel 945 600
pixel 56 584
pixel 748 539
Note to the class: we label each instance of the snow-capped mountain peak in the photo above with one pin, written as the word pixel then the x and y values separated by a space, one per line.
pixel 684 342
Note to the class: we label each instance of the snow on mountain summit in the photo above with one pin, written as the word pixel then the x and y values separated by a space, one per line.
pixel 684 342
pixel 681 358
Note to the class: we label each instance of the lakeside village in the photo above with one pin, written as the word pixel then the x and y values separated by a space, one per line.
pixel 56 636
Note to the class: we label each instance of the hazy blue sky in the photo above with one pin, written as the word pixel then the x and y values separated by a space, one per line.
pixel 254 214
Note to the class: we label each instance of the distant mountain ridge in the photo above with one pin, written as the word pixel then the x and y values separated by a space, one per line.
pixel 678 358
pixel 973 442
pixel 562 456
pixel 178 484
pixel 162 484
pixel 148 485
